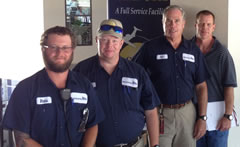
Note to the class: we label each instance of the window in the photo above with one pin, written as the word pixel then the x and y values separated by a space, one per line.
pixel 78 19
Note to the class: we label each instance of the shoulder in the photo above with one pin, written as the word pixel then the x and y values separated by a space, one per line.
pixel 132 68
pixel 79 78
pixel 33 79
pixel 219 47
pixel 85 64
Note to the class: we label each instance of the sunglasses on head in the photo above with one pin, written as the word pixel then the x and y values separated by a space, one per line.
pixel 108 27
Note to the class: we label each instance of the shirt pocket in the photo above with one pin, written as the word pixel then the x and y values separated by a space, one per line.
pixel 131 98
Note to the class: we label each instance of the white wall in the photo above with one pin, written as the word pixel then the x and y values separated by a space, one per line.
pixel 227 31
pixel 21 28
pixel 233 45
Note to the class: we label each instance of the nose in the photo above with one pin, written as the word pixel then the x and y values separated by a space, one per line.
pixel 109 43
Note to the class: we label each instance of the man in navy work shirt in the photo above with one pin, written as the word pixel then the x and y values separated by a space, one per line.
pixel 55 106
pixel 176 67
pixel 223 78
pixel 124 89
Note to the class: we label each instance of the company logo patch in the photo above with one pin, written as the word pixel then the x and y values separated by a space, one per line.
pixel 131 82
pixel 81 98
pixel 188 57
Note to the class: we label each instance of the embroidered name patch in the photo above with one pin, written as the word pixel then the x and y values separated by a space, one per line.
pixel 188 57
pixel 44 100
pixel 162 56
pixel 131 82
pixel 81 98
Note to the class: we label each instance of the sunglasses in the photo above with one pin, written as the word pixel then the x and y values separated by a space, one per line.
pixel 108 27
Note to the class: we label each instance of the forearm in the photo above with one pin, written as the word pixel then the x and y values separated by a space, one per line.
pixel 229 99
pixel 90 137
pixel 24 140
pixel 202 97
pixel 152 126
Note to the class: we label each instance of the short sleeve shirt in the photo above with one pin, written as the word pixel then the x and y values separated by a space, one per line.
pixel 36 108
pixel 222 70
pixel 174 72
pixel 124 95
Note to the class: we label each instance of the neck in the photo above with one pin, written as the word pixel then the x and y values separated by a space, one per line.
pixel 108 65
pixel 205 45
pixel 59 79
pixel 175 42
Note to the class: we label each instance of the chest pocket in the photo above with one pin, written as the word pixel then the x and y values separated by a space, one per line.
pixel 130 93
pixel 189 64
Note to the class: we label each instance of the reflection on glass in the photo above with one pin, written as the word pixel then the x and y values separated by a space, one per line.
pixel 78 19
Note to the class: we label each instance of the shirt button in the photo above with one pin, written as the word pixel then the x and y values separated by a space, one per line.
pixel 177 77
pixel 62 144
pixel 61 127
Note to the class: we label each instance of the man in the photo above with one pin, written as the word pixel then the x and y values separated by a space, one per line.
pixel 53 107
pixel 223 77
pixel 124 89
pixel 176 67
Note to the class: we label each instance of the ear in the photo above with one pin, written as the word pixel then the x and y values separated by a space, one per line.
pixel 122 42
pixel 214 26
pixel 195 25
pixel 96 38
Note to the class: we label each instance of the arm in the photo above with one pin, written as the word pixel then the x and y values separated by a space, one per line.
pixel 90 137
pixel 200 126
pixel 152 126
pixel 224 124
pixel 24 140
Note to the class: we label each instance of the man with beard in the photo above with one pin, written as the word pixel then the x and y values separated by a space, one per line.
pixel 54 107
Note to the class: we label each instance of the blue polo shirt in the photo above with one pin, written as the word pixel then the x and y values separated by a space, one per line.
pixel 124 95
pixel 174 72
pixel 36 108
pixel 222 71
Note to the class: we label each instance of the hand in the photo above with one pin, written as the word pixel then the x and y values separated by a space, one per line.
pixel 199 129
pixel 223 124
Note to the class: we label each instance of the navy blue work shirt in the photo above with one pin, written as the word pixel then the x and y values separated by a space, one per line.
pixel 174 72
pixel 124 95
pixel 36 108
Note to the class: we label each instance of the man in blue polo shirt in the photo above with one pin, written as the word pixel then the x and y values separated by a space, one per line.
pixel 54 107
pixel 223 78
pixel 124 89
pixel 176 67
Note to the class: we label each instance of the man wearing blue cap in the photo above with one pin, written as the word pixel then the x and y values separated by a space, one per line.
pixel 124 89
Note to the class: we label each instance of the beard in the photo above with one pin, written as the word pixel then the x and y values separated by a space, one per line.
pixel 58 68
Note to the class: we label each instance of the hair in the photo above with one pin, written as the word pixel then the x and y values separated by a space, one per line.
pixel 59 31
pixel 173 7
pixel 205 12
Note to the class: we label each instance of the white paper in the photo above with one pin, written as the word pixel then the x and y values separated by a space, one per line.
pixel 215 112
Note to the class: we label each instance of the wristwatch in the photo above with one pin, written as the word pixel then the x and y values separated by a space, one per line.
pixel 203 117
pixel 156 146
pixel 228 116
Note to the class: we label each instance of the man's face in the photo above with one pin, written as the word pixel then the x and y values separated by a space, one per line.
pixel 204 26
pixel 173 24
pixel 109 47
pixel 58 54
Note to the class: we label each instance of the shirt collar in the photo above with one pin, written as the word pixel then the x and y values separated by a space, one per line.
pixel 97 65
